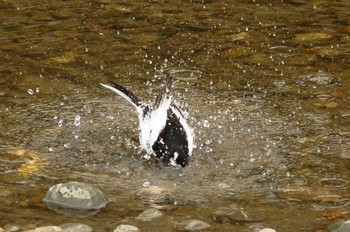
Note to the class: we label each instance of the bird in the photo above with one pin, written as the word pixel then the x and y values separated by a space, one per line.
pixel 164 132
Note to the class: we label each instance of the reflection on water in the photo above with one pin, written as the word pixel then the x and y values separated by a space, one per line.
pixel 265 86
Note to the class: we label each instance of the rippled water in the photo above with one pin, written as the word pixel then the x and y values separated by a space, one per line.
pixel 265 85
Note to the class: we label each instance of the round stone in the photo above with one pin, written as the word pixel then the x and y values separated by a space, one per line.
pixel 197 225
pixel 126 228
pixel 75 196
pixel 149 215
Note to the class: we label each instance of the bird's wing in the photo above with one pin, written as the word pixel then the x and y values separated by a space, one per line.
pixel 188 131
pixel 164 91
pixel 126 94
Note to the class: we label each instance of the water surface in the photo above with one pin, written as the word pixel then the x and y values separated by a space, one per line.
pixel 265 85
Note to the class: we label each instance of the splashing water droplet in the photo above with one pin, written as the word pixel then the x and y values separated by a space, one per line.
pixel 205 123
pixel 77 120
pixel 30 91
pixel 66 145
pixel 37 89
pixel 60 123
pixel 146 184
pixel 50 149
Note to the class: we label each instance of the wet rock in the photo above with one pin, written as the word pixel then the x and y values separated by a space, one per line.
pixel 46 229
pixel 127 228
pixel 11 227
pixel 156 194
pixel 149 215
pixel 344 29
pixel 314 36
pixel 240 36
pixel 235 215
pixel 196 225
pixel 345 227
pixel 76 227
pixel 236 52
pixel 267 230
pixel 75 199
pixel 33 162
pixel 66 58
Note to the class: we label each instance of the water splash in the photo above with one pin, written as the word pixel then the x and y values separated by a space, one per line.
pixel 60 123
pixel 77 120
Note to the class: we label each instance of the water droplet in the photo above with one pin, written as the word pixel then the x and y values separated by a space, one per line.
pixel 77 120
pixel 60 123
pixel 30 91
pixel 205 123
pixel 146 184
pixel 37 89
pixel 50 149
pixel 66 145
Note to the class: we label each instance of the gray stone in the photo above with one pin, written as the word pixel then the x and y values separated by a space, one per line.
pixel 267 230
pixel 76 227
pixel 75 195
pixel 197 225
pixel 127 228
pixel 149 215
pixel 345 227
pixel 46 229
pixel 11 227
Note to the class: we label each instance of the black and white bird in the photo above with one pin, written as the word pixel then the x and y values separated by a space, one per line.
pixel 164 132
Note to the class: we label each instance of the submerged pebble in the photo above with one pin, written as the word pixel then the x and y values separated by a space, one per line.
pixel 306 37
pixel 127 228
pixel 345 227
pixel 267 230
pixel 11 227
pixel 46 229
pixel 196 225
pixel 76 227
pixel 149 215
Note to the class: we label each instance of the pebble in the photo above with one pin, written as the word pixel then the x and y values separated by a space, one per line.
pixel 46 229
pixel 75 199
pixel 127 228
pixel 11 227
pixel 76 227
pixel 197 225
pixel 306 37
pixel 149 215
pixel 345 227
pixel 267 230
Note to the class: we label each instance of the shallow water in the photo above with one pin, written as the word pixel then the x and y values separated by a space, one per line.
pixel 265 85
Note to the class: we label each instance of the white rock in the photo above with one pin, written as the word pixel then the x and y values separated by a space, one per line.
pixel 197 225
pixel 267 230
pixel 127 228
pixel 46 229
